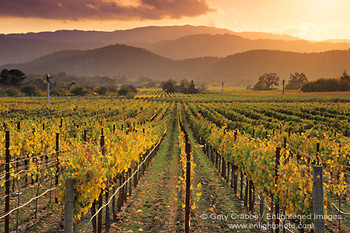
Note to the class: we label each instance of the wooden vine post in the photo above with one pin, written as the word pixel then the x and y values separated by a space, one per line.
pixel 7 181
pixel 277 208
pixel 188 185
pixel 188 181
pixel 318 202
pixel 69 206
pixel 100 200
pixel 57 161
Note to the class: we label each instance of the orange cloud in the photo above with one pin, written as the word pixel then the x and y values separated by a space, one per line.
pixel 102 9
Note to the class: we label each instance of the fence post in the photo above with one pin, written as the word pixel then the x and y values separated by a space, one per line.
pixel 232 174
pixel 223 168
pixel 57 161
pixel 261 207
pixel 135 176
pixel 100 199
pixel 318 199
pixel 277 206
pixel 228 173
pixel 7 181
pixel 235 180
pixel 119 201
pixel 271 219
pixel 250 196
pixel 69 206
pixel 130 186
pixel 188 184
pixel 246 192
pixel 85 135
pixel 188 194
pixel 242 185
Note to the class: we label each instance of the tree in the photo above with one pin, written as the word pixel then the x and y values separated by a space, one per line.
pixel 101 90
pixel 41 83
pixel 184 85
pixel 296 80
pixel 202 87
pixel 345 76
pixel 191 88
pixel 11 77
pixel 260 86
pixel 187 87
pixel 270 79
pixel 80 91
pixel 30 90
pixel 168 86
pixel 322 85
pixel 11 92
pixel 58 92
pixel 146 82
pixel 127 90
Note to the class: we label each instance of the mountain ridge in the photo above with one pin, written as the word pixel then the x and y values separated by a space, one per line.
pixel 238 69
pixel 175 42
pixel 222 45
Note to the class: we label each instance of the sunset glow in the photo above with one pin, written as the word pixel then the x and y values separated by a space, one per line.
pixel 307 19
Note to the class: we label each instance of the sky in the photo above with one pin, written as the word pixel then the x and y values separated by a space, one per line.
pixel 307 19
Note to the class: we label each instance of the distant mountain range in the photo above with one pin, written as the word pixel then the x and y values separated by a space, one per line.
pixel 151 34
pixel 191 52
pixel 14 50
pixel 17 48
pixel 238 69
pixel 202 45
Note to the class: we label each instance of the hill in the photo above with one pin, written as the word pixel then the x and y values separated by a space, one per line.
pixel 202 45
pixel 23 50
pixel 246 67
pixel 27 47
pixel 238 69
pixel 110 60
pixel 151 34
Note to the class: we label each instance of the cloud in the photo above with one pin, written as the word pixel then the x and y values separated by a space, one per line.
pixel 103 9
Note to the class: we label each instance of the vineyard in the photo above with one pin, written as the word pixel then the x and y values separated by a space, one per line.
pixel 175 163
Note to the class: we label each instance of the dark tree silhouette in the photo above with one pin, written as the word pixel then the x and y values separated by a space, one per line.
pixel 271 79
pixel 260 86
pixel 184 85
pixel 30 90
pixel 168 86
pixel 11 77
pixel 296 80
pixel 127 89
pixel 191 88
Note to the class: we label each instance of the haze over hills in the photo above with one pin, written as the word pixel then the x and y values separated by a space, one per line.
pixel 23 50
pixel 151 34
pixel 239 69
pixel 202 45
pixel 110 60
pixel 26 47
pixel 214 54
pixel 246 67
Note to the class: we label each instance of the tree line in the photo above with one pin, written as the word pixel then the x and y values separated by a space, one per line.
pixel 184 87
pixel 323 85
pixel 299 81
pixel 270 81
pixel 16 83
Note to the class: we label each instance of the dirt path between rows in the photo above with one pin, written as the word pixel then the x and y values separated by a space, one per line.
pixel 218 209
pixel 156 207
